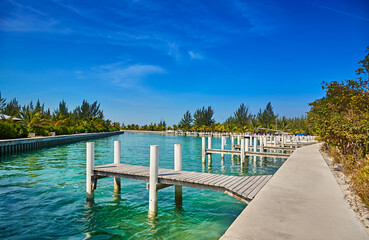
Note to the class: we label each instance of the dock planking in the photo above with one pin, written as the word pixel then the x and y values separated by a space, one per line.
pixel 243 188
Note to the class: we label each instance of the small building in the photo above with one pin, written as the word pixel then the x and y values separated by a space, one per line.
pixel 6 117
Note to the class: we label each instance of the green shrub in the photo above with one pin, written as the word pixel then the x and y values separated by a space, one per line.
pixel 12 130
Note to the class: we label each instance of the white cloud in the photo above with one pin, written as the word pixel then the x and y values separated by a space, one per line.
pixel 127 76
pixel 194 55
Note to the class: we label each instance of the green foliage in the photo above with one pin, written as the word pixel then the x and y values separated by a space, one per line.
pixel 267 117
pixel 2 103
pixel 203 117
pixel 186 121
pixel 12 108
pixel 88 111
pixel 341 119
pixel 12 130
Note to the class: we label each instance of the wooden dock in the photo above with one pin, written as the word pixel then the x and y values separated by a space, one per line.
pixel 247 153
pixel 243 188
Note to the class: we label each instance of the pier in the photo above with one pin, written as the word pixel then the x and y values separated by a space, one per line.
pixel 242 188
pixel 255 145
pixel 12 146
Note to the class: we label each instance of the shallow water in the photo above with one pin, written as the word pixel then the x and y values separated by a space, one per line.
pixel 42 193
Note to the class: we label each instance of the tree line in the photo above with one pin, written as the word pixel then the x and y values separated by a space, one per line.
pixel 240 121
pixel 88 117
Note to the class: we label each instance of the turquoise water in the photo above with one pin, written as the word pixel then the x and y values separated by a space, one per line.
pixel 42 193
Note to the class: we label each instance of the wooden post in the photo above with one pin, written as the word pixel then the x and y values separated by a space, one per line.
pixel 153 194
pixel 275 141
pixel 203 150
pixel 242 152
pixel 117 152
pixel 232 142
pixel 247 144
pixel 222 146
pixel 90 158
pixel 178 167
pixel 255 144
pixel 209 147
pixel 262 145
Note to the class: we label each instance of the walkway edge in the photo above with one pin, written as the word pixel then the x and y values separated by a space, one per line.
pixel 301 201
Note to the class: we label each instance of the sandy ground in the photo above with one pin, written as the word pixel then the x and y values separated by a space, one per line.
pixel 360 209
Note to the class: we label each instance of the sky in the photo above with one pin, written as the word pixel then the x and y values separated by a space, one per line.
pixel 147 61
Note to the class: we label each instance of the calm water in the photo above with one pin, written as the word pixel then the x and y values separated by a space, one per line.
pixel 42 193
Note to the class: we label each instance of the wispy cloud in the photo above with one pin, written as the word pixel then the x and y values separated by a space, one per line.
pixel 146 23
pixel 195 55
pixel 341 12
pixel 125 76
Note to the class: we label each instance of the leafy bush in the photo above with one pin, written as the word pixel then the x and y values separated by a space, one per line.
pixel 12 130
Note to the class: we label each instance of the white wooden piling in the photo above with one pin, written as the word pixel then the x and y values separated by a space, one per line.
pixel 209 147
pixel 178 167
pixel 255 144
pixel 203 150
pixel 117 152
pixel 232 142
pixel 242 152
pixel 262 145
pixel 154 166
pixel 90 158
pixel 223 139
pixel 247 144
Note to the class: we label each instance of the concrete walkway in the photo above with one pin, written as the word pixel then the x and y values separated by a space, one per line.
pixel 301 201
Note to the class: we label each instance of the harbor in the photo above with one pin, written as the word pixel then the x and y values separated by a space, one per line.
pixel 52 183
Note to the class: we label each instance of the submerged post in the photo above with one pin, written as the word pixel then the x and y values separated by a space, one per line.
pixel 153 194
pixel 203 150
pixel 117 151
pixel 89 170
pixel 178 167
pixel 242 152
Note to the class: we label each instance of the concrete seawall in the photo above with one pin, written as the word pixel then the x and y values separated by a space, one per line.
pixel 9 146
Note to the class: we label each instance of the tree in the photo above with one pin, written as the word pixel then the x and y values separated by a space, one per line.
pixel 88 111
pixel 186 121
pixel 241 116
pixel 162 125
pixel 61 112
pixel 31 116
pixel 2 103
pixel 12 108
pixel 203 117
pixel 267 117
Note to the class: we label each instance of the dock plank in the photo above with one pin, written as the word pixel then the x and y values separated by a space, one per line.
pixel 243 188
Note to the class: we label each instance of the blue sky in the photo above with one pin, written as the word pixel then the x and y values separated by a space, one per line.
pixel 147 61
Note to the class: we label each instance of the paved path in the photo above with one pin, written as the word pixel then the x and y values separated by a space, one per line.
pixel 301 201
